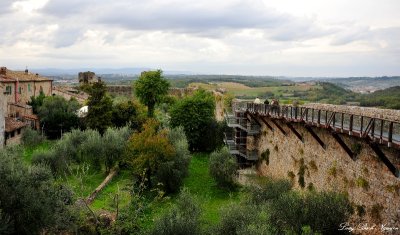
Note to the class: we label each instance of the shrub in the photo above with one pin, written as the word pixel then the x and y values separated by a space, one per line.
pixel 362 183
pixel 182 219
pixel 30 200
pixel 172 172
pixel 223 167
pixel 291 175
pixel 31 137
pixel 323 212
pixel 114 142
pixel 147 150
pixel 302 171
pixel 68 146
pixel 265 156
pixel 235 218
pixel 287 212
pixel 268 189
pixel 43 157
pixel 92 149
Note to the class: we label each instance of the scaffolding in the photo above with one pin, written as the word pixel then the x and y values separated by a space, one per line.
pixel 236 137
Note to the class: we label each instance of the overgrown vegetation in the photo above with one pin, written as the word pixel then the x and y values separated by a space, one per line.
pixel 30 201
pixel 196 115
pixel 58 115
pixel 223 167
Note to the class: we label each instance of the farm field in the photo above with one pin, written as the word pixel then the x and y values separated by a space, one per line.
pixel 242 91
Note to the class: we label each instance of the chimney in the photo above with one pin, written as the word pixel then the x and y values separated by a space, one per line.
pixel 3 70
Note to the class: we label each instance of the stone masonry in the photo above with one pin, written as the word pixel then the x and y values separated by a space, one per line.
pixel 373 189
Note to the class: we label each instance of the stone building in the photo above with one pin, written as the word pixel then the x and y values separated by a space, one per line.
pixel 87 77
pixel 3 108
pixel 17 88
pixel 20 86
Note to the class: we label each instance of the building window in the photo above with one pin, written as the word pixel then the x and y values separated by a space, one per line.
pixel 8 90
pixel 29 87
pixel 19 90
pixel 18 131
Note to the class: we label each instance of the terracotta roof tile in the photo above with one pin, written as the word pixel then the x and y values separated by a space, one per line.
pixel 22 76
pixel 31 116
pixel 12 124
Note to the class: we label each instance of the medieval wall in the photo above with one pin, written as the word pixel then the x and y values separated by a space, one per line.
pixel 120 90
pixel 372 188
pixel 3 107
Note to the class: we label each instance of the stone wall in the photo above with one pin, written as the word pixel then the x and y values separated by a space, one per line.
pixel 367 181
pixel 3 107
pixel 67 94
pixel 120 90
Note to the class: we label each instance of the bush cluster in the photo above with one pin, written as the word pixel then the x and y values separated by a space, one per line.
pixel 223 167
pixel 162 154
pixel 31 137
pixel 182 219
pixel 273 208
pixel 85 146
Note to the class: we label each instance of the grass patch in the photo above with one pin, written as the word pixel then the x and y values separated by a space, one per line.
pixel 200 184
pixel 83 180
pixel 120 184
pixel 28 151
pixel 210 196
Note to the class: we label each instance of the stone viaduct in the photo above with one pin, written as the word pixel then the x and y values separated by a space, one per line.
pixel 347 149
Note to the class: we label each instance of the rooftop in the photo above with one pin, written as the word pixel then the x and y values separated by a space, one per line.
pixel 7 75
pixel 12 124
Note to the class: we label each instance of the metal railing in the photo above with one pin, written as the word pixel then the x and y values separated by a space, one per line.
pixel 377 129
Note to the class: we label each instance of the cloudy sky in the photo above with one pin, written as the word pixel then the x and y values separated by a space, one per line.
pixel 249 37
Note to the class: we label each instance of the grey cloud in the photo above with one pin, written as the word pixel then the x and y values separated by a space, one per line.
pixel 350 34
pixel 297 30
pixel 62 8
pixel 66 36
pixel 184 17
pixel 181 17
pixel 5 6
pixel 190 19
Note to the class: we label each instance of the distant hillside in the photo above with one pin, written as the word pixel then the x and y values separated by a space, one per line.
pixel 330 93
pixel 366 83
pixel 334 94
pixel 250 81
pixel 388 98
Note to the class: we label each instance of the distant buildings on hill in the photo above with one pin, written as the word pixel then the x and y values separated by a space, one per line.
pixel 16 90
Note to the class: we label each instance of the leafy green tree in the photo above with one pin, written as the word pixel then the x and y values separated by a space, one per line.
pixel 124 113
pixel 150 88
pixel 172 172
pixel 92 149
pixel 100 108
pixel 146 150
pixel 196 114
pixel 36 102
pixel 114 142
pixel 30 200
pixel 223 167
pixel 31 137
pixel 58 115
